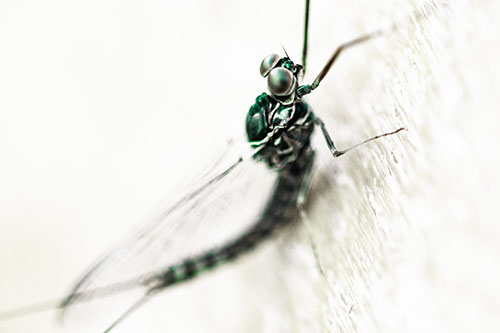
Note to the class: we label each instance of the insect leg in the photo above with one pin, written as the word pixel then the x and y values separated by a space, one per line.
pixel 422 12
pixel 301 199
pixel 306 33
pixel 335 152
pixel 307 89
pixel 339 50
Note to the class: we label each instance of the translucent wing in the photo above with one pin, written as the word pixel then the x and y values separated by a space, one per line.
pixel 220 208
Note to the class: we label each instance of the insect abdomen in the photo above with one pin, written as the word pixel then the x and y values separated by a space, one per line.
pixel 280 210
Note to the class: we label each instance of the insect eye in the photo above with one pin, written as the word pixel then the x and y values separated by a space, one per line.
pixel 268 64
pixel 281 81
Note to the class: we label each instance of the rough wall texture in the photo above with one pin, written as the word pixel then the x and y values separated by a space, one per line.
pixel 405 228
pixel 410 242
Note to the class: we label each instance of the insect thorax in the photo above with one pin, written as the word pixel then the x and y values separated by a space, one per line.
pixel 289 128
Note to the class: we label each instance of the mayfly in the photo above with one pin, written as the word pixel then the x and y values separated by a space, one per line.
pixel 279 126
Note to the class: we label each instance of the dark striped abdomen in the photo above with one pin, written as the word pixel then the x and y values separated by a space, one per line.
pixel 281 209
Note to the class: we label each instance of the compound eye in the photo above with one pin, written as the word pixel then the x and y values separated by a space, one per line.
pixel 268 64
pixel 281 81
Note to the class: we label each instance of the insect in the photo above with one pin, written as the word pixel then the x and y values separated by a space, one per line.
pixel 279 127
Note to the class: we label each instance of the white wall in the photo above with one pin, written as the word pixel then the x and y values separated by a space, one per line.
pixel 104 107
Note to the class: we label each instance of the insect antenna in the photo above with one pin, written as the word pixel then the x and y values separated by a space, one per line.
pixel 306 34
pixel 284 50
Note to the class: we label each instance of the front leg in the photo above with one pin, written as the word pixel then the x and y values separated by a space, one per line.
pixel 271 136
pixel 335 152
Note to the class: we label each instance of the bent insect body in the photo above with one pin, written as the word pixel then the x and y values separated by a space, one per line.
pixel 279 126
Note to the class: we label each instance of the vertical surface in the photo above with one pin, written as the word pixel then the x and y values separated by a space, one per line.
pixel 408 233
pixel 106 106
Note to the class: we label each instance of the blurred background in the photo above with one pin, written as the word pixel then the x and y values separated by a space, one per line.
pixel 106 107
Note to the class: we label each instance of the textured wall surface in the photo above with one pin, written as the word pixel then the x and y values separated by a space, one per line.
pixel 106 105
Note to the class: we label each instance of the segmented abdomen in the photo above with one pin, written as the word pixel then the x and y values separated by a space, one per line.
pixel 281 209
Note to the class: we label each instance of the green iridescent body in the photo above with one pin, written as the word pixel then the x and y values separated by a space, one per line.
pixel 289 152
pixel 284 132
pixel 289 127
pixel 279 128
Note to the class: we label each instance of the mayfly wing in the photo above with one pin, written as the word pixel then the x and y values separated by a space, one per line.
pixel 222 207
